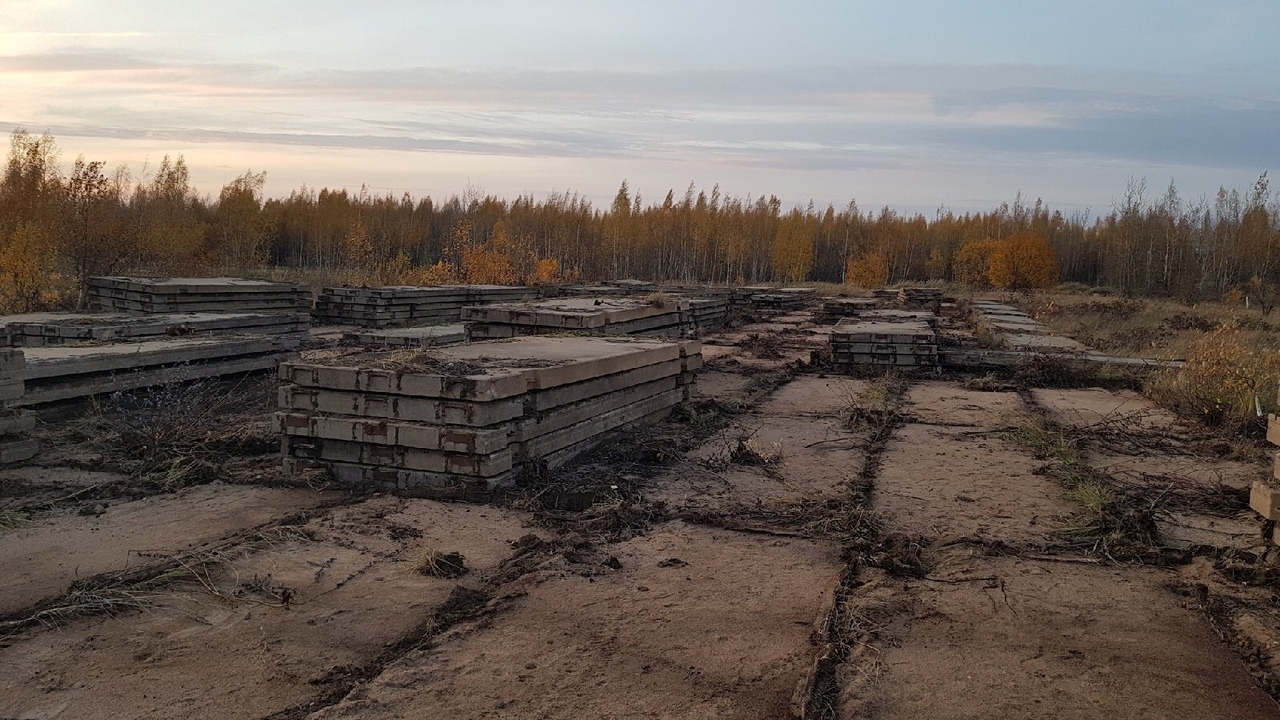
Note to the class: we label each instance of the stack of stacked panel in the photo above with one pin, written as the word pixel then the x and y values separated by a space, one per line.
pixel 918 296
pixel 895 315
pixel 665 316
pixel 196 295
pixel 708 314
pixel 464 420
pixel 70 372
pixel 40 329
pixel 885 295
pixel 398 306
pixel 14 423
pixel 857 342
pixel 743 295
pixel 784 298
pixel 836 308
pixel 414 337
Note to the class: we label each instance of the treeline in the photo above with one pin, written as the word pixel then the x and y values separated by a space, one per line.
pixel 57 228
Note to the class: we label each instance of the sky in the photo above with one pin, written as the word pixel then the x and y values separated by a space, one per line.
pixel 914 104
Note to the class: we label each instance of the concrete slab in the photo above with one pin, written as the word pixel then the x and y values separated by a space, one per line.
pixel 90 385
pixel 16 451
pixel 53 362
pixel 400 407
pixel 493 370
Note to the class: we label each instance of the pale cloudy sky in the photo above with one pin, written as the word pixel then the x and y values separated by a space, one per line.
pixel 911 103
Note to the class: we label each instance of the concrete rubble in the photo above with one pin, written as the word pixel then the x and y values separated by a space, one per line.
pixel 462 421
pixel 196 295
pixel 15 446
pixel 398 306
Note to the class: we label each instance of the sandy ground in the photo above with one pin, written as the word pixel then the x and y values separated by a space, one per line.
pixel 736 597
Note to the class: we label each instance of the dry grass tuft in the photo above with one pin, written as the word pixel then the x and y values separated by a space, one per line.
pixel 439 564
pixel 1227 382
pixel 12 519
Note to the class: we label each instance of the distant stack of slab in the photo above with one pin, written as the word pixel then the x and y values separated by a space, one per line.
pixel 918 296
pixel 892 315
pixel 784 298
pixel 665 316
pixel 836 308
pixel 15 446
pixel 414 337
pixel 41 329
pixel 464 420
pixel 196 295
pixel 399 306
pixel 708 314
pixel 742 295
pixel 61 373
pixel 902 344
pixel 1018 331
pixel 885 295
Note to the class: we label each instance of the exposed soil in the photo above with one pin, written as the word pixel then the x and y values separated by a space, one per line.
pixel 792 544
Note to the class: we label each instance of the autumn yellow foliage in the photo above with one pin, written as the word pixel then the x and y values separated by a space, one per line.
pixel 868 271
pixel 27 273
pixel 973 263
pixel 1023 262
pixel 1225 381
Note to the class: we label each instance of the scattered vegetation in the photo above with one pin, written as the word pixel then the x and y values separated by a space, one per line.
pixel 177 434
pixel 439 564
pixel 1227 382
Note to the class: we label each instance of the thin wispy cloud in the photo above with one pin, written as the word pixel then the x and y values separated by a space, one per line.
pixel 162 80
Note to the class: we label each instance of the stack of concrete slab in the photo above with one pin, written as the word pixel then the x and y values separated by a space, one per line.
pixel 903 343
pixel 59 373
pixel 707 314
pixel 742 295
pixel 894 315
pixel 398 306
pixel 464 420
pixel 638 287
pixel 784 298
pixel 40 329
pixel 196 295
pixel 918 296
pixel 1264 498
pixel 836 308
pixel 887 295
pixel 663 316
pixel 720 292
pixel 15 446
pixel 414 337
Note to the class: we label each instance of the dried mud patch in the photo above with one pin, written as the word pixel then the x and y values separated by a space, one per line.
pixel 1016 638
pixel 944 482
pixel 263 631
pixel 47 554
pixel 694 623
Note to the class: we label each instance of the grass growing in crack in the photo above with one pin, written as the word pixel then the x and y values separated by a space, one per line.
pixel 12 519
pixel 878 404
pixel 139 588
pixel 1115 521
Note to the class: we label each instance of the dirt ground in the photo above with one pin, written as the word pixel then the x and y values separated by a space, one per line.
pixel 795 544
